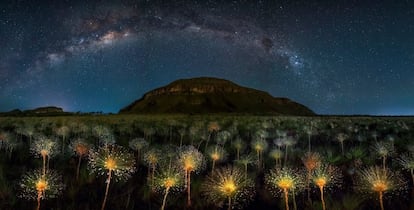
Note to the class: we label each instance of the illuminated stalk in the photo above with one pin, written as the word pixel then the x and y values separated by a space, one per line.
pixel 342 148
pixel 229 203
pixel 107 189
pixel 380 200
pixel 39 196
pixel 322 198
pixel 44 164
pixel 383 162
pixel 167 190
pixel 212 168
pixel 286 193
pixel 189 188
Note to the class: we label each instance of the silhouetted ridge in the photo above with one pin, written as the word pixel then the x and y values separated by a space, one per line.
pixel 212 95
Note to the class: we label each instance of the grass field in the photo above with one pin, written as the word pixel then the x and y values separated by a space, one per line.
pixel 224 161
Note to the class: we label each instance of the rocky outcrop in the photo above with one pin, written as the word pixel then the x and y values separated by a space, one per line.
pixel 212 95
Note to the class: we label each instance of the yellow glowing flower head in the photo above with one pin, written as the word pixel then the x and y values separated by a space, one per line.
pixel 285 178
pixel 376 179
pixel 228 182
pixel 49 185
pixel 191 159
pixel 326 176
pixel 114 159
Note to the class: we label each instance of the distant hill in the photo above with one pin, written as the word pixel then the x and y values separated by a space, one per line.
pixel 41 111
pixel 211 95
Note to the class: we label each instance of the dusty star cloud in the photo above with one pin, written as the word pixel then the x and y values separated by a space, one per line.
pixel 343 58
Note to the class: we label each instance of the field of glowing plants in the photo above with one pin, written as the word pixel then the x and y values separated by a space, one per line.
pixel 206 162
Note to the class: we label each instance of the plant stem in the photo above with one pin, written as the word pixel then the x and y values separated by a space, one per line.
pixel 285 192
pixel 322 198
pixel 245 171
pixel 381 201
pixel 152 177
pixel 165 198
pixel 412 175
pixel 189 189
pixel 63 144
pixel 294 200
pixel 308 178
pixel 44 165
pixel 77 169
pixel 286 154
pixel 39 196
pixel 212 168
pixel 229 203
pixel 107 189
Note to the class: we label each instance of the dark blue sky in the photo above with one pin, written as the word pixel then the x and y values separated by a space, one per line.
pixel 336 57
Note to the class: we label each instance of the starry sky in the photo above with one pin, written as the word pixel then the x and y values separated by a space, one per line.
pixel 335 57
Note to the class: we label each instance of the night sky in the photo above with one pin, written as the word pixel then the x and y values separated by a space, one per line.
pixel 335 57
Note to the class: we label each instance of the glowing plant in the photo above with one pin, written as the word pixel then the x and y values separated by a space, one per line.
pixel 222 137
pixel 289 141
pixel 38 186
pixel 104 135
pixel 383 150
pixel 229 184
pixel 113 161
pixel 311 160
pixel 259 145
pixel 309 131
pixel 284 180
pixel 8 142
pixel 190 160
pixel 325 176
pixel 277 155
pixel 63 132
pixel 375 135
pixel 245 161
pixel 29 131
pixel 377 180
pixel 138 144
pixel 152 159
pixel 407 162
pixel 45 148
pixel 81 148
pixel 216 154
pixel 341 137
pixel 167 180
pixel 181 132
pixel 238 144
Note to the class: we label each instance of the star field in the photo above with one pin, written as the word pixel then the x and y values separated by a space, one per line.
pixel 347 57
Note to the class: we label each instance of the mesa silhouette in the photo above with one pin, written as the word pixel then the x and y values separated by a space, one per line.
pixel 212 95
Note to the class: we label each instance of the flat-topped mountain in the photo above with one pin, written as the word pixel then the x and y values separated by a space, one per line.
pixel 211 95
pixel 41 111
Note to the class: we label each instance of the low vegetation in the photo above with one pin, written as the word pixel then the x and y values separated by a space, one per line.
pixel 206 162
